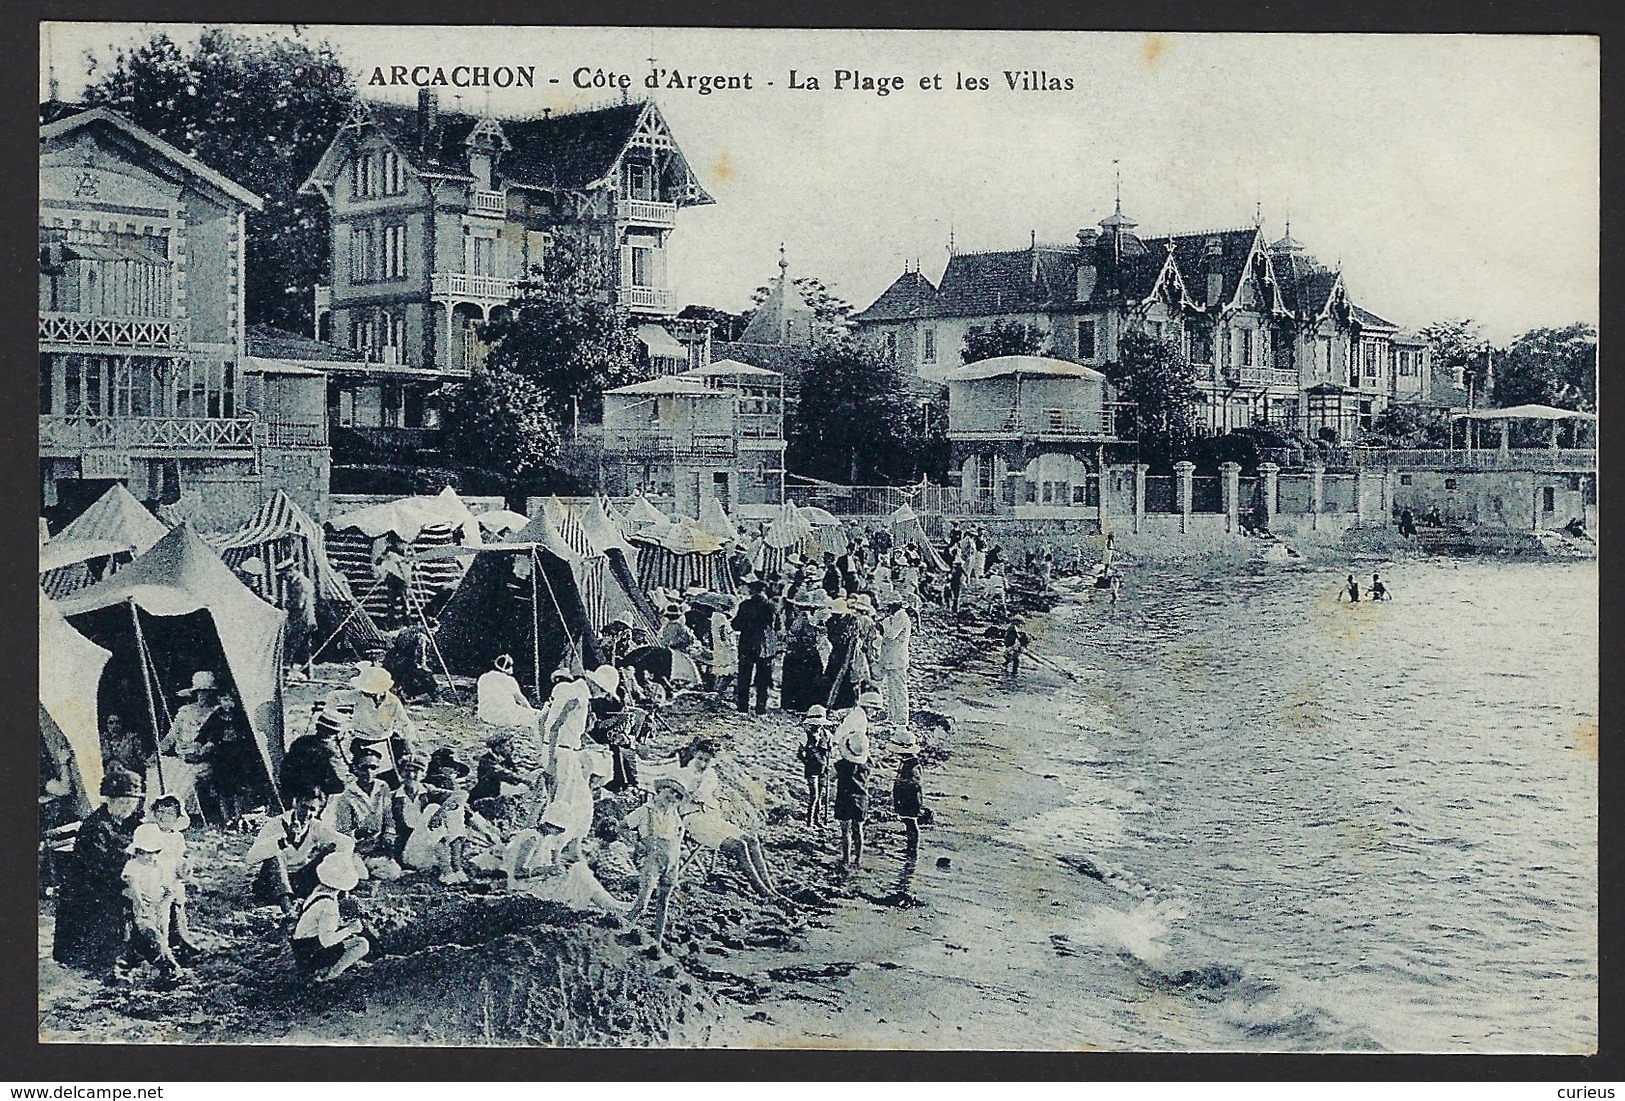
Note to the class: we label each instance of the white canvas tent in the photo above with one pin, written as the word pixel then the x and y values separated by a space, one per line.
pixel 70 673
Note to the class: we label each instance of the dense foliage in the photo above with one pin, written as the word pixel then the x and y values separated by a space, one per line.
pixel 856 423
pixel 498 426
pixel 1160 382
pixel 1002 338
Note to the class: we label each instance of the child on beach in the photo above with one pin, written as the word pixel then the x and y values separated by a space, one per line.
pixel 167 815
pixel 324 944
pixel 658 825
pixel 908 792
pixel 1015 644
pixel 149 887
pixel 852 784
pixel 814 755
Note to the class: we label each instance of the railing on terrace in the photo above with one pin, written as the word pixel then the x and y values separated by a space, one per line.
pixel 761 426
pixel 456 284
pixel 1262 376
pixel 1383 458
pixel 662 443
pixel 494 203
pixel 648 212
pixel 646 298
pixel 91 331
pixel 279 434
pixel 169 435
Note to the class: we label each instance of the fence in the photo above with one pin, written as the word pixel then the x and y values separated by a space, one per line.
pixel 1161 494
pixel 1207 494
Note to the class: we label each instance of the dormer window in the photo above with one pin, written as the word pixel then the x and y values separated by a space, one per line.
pixel 638 182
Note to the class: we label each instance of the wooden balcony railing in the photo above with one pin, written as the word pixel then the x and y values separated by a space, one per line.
pixel 656 444
pixel 157 436
pixel 1262 376
pixel 481 288
pixel 493 203
pixel 647 212
pixel 114 333
pixel 651 299
pixel 761 426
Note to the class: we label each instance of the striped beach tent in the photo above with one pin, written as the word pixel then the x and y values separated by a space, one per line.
pixel 682 554
pixel 356 539
pixel 587 528
pixel 905 524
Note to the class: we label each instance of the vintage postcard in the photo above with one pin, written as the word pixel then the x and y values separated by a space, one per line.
pixel 818 539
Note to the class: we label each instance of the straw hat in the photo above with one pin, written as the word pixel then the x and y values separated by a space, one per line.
pixel 338 871
pixel 503 663
pixel 364 750
pixel 818 716
pixel 870 699
pixel 605 678
pixel 444 761
pixel 855 747
pixel 616 626
pixel 202 681
pixel 149 838
pixel 840 606
pixel 372 680
pixel 906 742
pixel 253 566
pixel 674 784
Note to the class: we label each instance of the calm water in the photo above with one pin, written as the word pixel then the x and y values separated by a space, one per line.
pixel 1324 826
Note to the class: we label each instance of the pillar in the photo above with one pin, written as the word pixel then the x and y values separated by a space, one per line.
pixel 1503 444
pixel 1270 475
pixel 1100 490
pixel 1363 488
pixel 1231 481
pixel 1139 497
pixel 1183 470
pixel 1317 493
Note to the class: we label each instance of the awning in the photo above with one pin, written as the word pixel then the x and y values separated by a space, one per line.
pixel 661 343
pixel 1523 413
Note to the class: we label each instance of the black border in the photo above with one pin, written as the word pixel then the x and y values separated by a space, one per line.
pixel 23 1059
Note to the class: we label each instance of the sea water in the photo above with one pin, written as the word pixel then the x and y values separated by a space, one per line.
pixel 1318 825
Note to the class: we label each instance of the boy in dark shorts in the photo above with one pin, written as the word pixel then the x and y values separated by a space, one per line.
pixel 324 944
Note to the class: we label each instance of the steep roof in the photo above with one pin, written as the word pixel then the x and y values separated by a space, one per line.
pixel 1369 320
pixel 1031 279
pixel 910 295
pixel 1191 254
pixel 783 317
pixel 570 151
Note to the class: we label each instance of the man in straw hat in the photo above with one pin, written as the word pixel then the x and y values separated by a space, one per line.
pixel 324 944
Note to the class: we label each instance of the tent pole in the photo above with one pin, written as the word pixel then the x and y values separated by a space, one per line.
pixel 536 628
pixel 417 606
pixel 152 704
pixel 354 608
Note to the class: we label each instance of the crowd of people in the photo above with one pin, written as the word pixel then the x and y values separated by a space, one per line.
pixel 374 792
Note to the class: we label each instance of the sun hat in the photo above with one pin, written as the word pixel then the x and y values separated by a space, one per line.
pixel 906 741
pixel 818 716
pixel 372 680
pixel 407 763
pixel 871 699
pixel 202 681
pixel 616 626
pixel 565 670
pixel 445 760
pixel 855 747
pixel 121 783
pixel 364 750
pixel 252 566
pixel 149 838
pixel 840 606
pixel 503 663
pixel 605 678
pixel 673 783
pixel 338 871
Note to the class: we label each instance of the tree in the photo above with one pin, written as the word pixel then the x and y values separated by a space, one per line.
pixel 1002 338
pixel 855 423
pixel 1549 367
pixel 1460 345
pixel 564 334
pixel 260 111
pixel 497 425
pixel 724 325
pixel 1403 424
pixel 1154 376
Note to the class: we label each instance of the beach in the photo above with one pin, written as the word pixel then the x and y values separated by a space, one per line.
pixel 1209 818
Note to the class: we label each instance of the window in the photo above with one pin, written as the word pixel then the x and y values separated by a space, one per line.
pixel 483 257
pixel 390 414
pixel 928 346
pixel 1450 483
pixel 643 267
pixel 45 388
pixel 1323 355
pixel 1365 414
pixel 638 182
pixel 1370 361
pixel 891 344
pixel 394 178
pixel 1405 479
pixel 1086 339
pixel 1155 330
pixel 1246 339
pixel 395 251
pixel 364 335
pixel 363 176
pixel 1548 499
pixel 361 254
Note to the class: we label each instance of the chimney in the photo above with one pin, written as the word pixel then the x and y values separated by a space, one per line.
pixel 428 119
pixel 1088 241
pixel 1212 263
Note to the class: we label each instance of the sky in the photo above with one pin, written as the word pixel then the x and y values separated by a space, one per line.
pixel 1448 176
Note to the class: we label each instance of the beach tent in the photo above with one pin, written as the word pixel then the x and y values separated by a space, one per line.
pixel 518 598
pixel 609 589
pixel 905 525
pixel 175 611
pixel 423 524
pixel 789 532
pixel 282 531
pixel 828 532
pixel 115 517
pixel 501 521
pixel 682 554
pixel 70 672
pixel 593 520
pixel 641 514
pixel 715 521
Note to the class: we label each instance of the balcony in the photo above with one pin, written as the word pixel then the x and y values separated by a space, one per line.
pixel 647 212
pixel 145 334
pixel 279 434
pixel 148 437
pixel 761 426
pixel 473 288
pixel 647 299
pixel 492 204
pixel 1262 376
pixel 664 444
